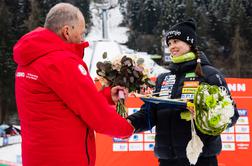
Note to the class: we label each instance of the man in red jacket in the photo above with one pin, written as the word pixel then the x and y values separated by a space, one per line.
pixel 58 104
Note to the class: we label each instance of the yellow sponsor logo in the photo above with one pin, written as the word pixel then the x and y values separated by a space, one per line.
pixel 189 90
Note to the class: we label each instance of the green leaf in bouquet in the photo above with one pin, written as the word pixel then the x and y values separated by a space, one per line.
pixel 213 89
pixel 224 103
pixel 210 101
pixel 220 97
pixel 132 88
pixel 201 120
pixel 214 121
pixel 185 115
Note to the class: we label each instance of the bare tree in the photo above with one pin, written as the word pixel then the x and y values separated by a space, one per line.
pixel 238 46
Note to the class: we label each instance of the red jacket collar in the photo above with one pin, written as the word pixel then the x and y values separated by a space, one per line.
pixel 40 42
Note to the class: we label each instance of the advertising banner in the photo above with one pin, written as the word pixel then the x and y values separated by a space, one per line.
pixel 138 149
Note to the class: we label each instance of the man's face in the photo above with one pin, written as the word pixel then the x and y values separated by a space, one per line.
pixel 76 33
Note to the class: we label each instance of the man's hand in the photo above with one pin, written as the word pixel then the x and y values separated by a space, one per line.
pixel 114 93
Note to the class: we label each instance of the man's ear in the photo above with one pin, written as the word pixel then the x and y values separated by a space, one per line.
pixel 65 32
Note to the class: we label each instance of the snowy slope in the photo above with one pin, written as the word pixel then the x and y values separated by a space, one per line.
pixel 113 46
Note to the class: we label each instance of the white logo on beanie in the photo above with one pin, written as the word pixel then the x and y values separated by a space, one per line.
pixel 188 39
pixel 175 33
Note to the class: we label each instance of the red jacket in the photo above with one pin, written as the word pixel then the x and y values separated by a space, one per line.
pixel 58 104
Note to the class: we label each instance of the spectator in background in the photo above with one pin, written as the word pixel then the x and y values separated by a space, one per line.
pixel 189 67
pixel 58 104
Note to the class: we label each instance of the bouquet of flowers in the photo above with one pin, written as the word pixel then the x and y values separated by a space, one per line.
pixel 124 72
pixel 214 109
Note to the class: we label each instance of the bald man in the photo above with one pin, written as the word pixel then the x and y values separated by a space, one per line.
pixel 58 104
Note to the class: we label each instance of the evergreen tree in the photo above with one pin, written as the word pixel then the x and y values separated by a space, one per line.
pixel 134 21
pixel 12 27
pixel 248 28
pixel 217 15
pixel 237 17
pixel 173 12
pixel 202 25
pixel 123 9
pixel 133 15
pixel 189 8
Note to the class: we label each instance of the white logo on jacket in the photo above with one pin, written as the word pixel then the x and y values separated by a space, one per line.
pixel 27 75
pixel 31 76
pixel 20 74
pixel 82 69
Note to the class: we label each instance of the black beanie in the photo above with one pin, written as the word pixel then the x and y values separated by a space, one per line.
pixel 185 31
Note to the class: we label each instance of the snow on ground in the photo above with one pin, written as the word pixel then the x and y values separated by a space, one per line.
pixel 115 33
pixel 11 154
